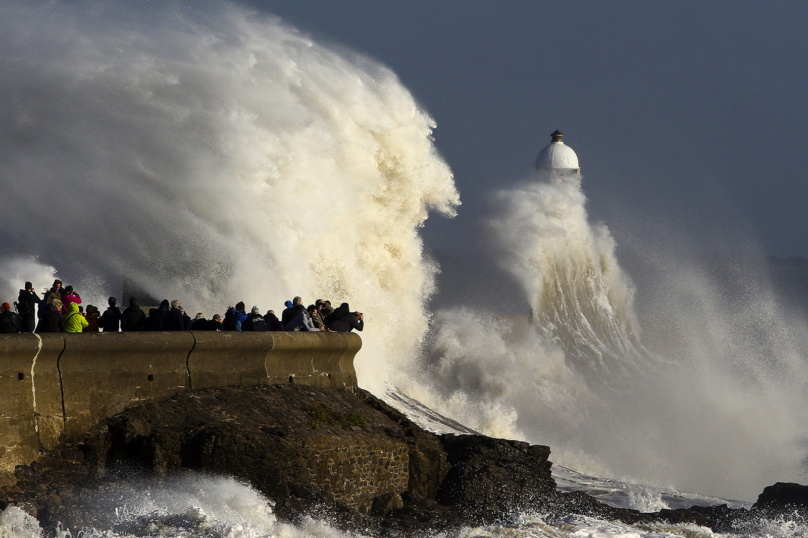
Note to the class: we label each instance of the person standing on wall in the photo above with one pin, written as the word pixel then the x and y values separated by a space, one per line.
pixel 111 318
pixel 133 317
pixel 344 321
pixel 74 322
pixel 93 319
pixel 70 296
pixel 174 320
pixel 303 322
pixel 9 320
pixel 55 294
pixel 52 321
pixel 235 317
pixel 27 303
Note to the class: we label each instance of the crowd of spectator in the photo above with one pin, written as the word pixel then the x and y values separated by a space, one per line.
pixel 60 309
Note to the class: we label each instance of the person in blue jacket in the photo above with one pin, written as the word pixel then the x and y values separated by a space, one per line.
pixel 235 317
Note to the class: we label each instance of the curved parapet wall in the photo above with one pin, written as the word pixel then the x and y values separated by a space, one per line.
pixel 334 368
pixel 230 358
pixel 18 431
pixel 103 374
pixel 47 382
pixel 56 387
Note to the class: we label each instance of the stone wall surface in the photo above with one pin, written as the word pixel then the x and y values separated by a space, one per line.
pixel 322 359
pixel 56 387
pixel 102 374
pixel 47 385
pixel 355 468
pixel 221 359
pixel 333 368
pixel 18 438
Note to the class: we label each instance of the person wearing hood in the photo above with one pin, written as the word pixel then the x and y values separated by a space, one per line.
pixel 342 320
pixel 255 321
pixel 74 322
pixel 285 314
pixel 133 317
pixel 234 318
pixel 27 301
pixel 9 320
pixel 303 322
pixel 273 323
pixel 292 312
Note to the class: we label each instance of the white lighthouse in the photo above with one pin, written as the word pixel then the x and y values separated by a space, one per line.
pixel 558 161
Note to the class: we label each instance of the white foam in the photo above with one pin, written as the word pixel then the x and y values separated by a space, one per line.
pixel 195 506
pixel 15 523
pixel 724 394
pixel 215 155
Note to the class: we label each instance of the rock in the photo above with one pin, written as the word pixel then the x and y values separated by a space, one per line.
pixel 782 495
pixel 491 477
pixel 386 503
pixel 341 454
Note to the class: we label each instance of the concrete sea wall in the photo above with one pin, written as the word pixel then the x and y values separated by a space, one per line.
pixel 56 387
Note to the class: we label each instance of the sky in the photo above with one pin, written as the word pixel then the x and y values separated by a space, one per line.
pixel 685 116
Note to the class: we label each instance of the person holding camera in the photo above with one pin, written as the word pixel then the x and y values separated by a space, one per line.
pixel 342 320
pixel 26 303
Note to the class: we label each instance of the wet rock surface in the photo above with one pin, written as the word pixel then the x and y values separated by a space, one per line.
pixel 337 454
pixel 782 495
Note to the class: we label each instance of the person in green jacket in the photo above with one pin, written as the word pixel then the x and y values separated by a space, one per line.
pixel 74 321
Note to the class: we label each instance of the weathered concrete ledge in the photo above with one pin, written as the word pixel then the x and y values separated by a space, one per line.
pixel 56 387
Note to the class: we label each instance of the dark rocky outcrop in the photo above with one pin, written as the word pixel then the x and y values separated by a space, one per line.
pixel 783 495
pixel 490 477
pixel 341 454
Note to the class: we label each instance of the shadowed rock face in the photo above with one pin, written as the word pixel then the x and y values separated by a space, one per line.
pixel 481 465
pixel 341 454
pixel 783 494
pixel 56 387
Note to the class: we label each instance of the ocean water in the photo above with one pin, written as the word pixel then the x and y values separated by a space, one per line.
pixel 214 154
pixel 220 507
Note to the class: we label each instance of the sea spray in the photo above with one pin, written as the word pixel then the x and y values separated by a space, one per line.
pixel 16 523
pixel 542 377
pixel 192 505
pixel 17 271
pixel 723 394
pixel 215 155
pixel 581 299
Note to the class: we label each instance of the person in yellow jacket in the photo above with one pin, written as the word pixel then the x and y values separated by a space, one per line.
pixel 74 321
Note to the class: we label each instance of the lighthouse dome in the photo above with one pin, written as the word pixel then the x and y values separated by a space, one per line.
pixel 557 157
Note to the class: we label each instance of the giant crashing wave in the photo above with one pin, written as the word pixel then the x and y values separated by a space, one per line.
pixel 713 387
pixel 213 154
